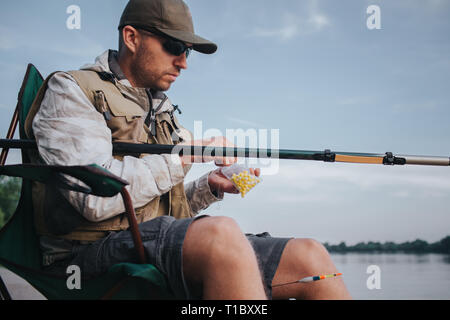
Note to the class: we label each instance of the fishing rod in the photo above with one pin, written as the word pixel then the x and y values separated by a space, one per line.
pixel 327 155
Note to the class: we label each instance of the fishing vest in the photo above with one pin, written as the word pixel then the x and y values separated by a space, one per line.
pixel 53 214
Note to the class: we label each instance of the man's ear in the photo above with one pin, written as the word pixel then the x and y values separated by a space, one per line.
pixel 129 39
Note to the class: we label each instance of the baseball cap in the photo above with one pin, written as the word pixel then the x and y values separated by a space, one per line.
pixel 170 17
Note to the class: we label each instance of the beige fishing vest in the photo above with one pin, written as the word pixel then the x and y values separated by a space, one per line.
pixel 53 214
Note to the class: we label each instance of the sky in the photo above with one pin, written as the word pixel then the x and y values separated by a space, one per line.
pixel 317 75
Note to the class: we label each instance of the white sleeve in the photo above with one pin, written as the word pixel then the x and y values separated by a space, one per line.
pixel 70 131
pixel 199 194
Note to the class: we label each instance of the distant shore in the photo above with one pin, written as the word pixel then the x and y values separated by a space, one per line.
pixel 417 246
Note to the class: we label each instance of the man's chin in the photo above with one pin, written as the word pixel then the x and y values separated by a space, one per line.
pixel 163 85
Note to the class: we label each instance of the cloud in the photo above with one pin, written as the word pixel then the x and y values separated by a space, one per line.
pixel 317 182
pixel 77 45
pixel 296 24
pixel 317 21
pixel 244 122
pixel 82 46
pixel 429 105
pixel 289 30
pixel 6 42
pixel 437 4
pixel 401 194
pixel 10 39
pixel 354 101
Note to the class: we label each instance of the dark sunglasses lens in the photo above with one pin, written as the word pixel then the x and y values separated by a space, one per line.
pixel 176 47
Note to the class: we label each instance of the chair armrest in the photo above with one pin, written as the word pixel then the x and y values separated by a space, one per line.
pixel 98 181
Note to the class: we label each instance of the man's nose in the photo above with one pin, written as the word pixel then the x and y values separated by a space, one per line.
pixel 180 61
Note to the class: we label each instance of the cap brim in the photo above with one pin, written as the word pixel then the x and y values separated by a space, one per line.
pixel 199 44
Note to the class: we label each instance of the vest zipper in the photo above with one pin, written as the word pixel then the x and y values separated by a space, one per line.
pixel 150 121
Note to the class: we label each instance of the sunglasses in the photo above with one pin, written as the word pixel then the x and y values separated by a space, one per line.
pixel 171 45
pixel 176 47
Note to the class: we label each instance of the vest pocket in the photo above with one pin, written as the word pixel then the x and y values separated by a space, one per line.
pixel 123 117
pixel 125 129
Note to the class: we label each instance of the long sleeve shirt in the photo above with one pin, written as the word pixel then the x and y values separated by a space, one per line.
pixel 70 131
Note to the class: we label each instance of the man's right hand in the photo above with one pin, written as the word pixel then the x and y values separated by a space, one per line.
pixel 202 158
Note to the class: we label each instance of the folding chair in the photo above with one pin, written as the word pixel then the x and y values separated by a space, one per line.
pixel 19 243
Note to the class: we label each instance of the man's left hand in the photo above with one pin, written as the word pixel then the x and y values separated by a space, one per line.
pixel 219 183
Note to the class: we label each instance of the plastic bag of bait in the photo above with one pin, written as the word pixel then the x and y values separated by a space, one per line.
pixel 241 177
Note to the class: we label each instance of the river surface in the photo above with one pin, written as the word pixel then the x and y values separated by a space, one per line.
pixel 395 276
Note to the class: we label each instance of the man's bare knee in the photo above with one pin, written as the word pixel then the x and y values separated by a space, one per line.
pixel 208 233
pixel 213 240
pixel 304 258
pixel 314 248
pixel 308 256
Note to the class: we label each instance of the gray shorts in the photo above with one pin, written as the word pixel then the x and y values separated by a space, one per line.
pixel 163 238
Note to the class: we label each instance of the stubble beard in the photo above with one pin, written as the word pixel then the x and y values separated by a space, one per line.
pixel 145 71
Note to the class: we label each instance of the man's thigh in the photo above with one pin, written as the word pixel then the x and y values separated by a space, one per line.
pixel 157 236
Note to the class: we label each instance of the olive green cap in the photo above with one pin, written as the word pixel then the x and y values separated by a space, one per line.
pixel 171 17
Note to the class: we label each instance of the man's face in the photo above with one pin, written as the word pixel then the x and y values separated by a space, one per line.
pixel 153 67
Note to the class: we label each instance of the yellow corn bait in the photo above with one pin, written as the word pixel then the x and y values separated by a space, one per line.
pixel 244 181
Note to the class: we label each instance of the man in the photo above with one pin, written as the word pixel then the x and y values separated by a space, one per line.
pixel 120 98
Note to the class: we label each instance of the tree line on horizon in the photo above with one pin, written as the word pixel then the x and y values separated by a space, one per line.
pixel 416 246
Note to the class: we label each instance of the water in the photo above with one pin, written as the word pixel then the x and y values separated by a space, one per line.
pixel 402 276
